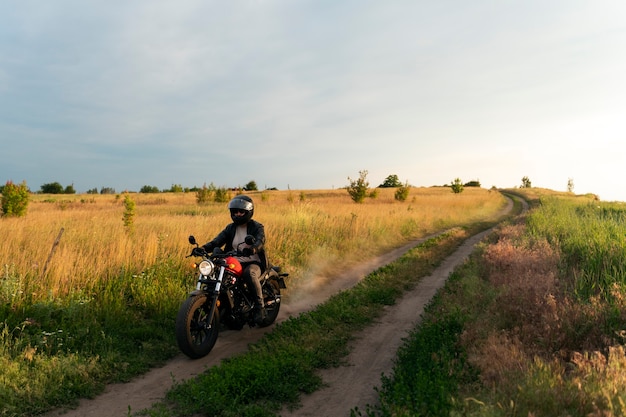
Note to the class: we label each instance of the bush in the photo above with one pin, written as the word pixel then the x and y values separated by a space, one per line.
pixel 129 214
pixel 402 193
pixel 15 199
pixel 203 195
pixel 457 186
pixel 358 188
pixel 221 195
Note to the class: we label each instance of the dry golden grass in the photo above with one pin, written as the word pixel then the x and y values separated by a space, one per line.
pixel 303 228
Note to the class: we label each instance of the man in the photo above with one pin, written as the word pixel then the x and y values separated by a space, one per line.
pixel 253 259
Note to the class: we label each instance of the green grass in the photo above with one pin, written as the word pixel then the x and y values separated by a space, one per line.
pixel 426 374
pixel 432 364
pixel 54 352
pixel 592 237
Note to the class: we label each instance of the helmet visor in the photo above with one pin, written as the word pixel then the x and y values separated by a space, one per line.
pixel 240 204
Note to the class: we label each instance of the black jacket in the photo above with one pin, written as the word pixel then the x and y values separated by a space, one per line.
pixel 226 236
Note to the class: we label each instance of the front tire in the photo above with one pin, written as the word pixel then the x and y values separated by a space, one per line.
pixel 196 333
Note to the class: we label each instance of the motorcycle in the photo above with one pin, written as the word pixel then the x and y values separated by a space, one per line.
pixel 222 299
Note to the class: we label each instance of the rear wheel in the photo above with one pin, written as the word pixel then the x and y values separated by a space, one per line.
pixel 196 332
pixel 271 300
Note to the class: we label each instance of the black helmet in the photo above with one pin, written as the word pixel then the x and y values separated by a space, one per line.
pixel 241 202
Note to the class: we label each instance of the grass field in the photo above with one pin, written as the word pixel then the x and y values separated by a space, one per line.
pixel 104 308
pixel 533 325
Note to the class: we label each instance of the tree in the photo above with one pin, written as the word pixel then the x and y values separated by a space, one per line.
pixel 358 188
pixel 148 189
pixel 391 181
pixel 251 186
pixel 15 199
pixel 457 186
pixel 176 188
pixel 69 189
pixel 52 188
pixel 473 183
pixel 526 182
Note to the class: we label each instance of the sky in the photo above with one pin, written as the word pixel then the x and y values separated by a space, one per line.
pixel 306 94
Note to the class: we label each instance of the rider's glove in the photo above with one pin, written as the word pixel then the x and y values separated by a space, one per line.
pixel 198 251
pixel 248 251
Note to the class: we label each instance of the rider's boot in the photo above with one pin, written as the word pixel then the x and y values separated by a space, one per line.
pixel 259 312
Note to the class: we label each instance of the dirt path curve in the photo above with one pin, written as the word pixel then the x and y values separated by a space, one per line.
pixel 348 386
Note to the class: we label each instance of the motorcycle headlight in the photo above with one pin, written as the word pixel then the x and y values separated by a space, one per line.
pixel 206 268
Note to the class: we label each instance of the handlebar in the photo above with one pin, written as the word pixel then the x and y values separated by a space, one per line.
pixel 217 252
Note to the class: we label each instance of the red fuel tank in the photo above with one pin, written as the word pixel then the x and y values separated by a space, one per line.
pixel 234 266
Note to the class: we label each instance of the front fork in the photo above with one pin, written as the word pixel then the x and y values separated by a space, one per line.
pixel 216 291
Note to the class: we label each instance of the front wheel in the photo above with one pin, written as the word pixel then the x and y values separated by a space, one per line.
pixel 196 332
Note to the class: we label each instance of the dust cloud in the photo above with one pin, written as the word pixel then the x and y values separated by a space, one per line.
pixel 328 277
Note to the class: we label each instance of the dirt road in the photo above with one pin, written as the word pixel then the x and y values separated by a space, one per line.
pixel 374 350
pixel 348 387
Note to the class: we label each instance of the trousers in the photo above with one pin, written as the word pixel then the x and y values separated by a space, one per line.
pixel 252 277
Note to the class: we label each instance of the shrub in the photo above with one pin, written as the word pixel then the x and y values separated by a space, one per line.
pixel 15 199
pixel 402 193
pixel 203 195
pixel 358 188
pixel 129 214
pixel 222 195
pixel 457 186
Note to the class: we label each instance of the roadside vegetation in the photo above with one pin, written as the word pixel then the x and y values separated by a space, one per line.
pixel 534 324
pixel 99 307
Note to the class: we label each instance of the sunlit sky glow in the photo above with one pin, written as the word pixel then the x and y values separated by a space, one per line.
pixel 304 94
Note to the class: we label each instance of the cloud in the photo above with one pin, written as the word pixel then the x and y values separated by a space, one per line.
pixel 307 93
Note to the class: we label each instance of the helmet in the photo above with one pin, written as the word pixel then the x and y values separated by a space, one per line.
pixel 241 202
